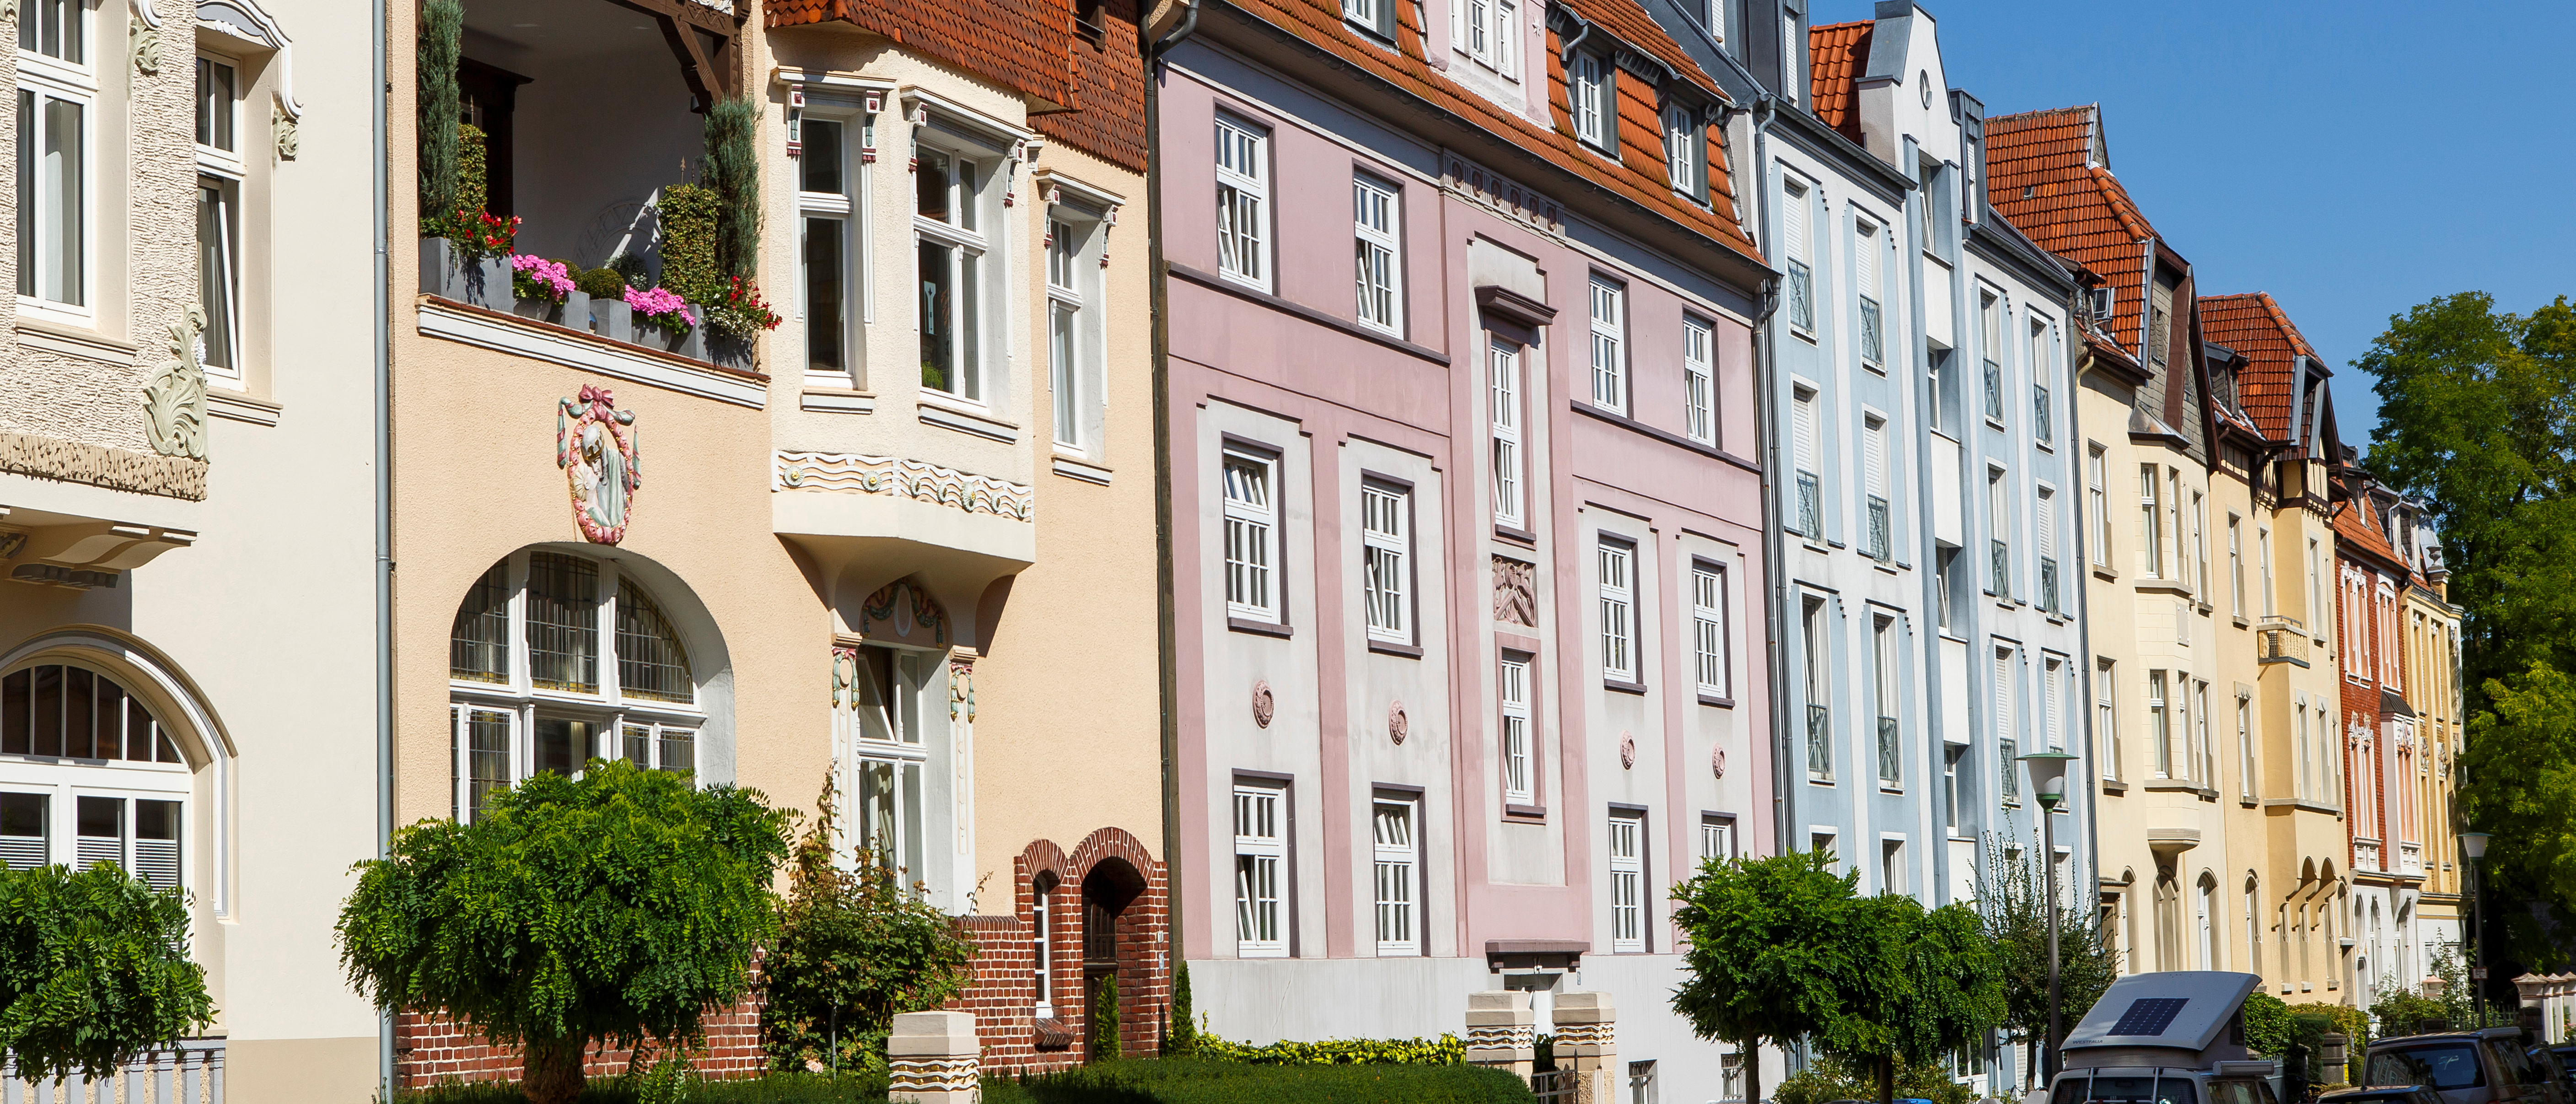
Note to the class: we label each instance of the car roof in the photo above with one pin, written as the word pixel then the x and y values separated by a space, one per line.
pixel 2371 1092
pixel 2449 1037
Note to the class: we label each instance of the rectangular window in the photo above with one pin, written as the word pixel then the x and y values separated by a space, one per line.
pixel 2151 525
pixel 1627 883
pixel 1716 837
pixel 1999 522
pixel 1064 330
pixel 1488 31
pixel 2316 590
pixel 1880 540
pixel 483 767
pixel 1866 246
pixel 2244 747
pixel 1592 105
pixel 216 95
pixel 1520 786
pixel 2006 691
pixel 824 201
pixel 2044 521
pixel 1503 393
pixel 2263 549
pixel 1951 798
pixel 2236 564
pixel 2106 718
pixel 26 831
pixel 2199 545
pixel 1820 739
pixel 57 29
pixel 563 623
pixel 2097 469
pixel 1793 249
pixel 1891 866
pixel 1251 521
pixel 947 195
pixel 1386 554
pixel 1379 251
pixel 53 190
pixel 1243 202
pixel 1609 340
pixel 1887 668
pixel 2207 754
pixel 2159 726
pixel 659 747
pixel 2051 715
pixel 1684 152
pixel 1618 610
pixel 1990 315
pixel 1397 860
pixel 1374 16
pixel 1708 628
pixel 1699 381
pixel 2043 420
pixel 140 835
pixel 1945 568
pixel 1803 453
pixel 1260 870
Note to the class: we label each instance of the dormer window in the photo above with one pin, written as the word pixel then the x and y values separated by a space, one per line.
pixel 1686 152
pixel 2104 299
pixel 1376 17
pixel 1590 94
pixel 1487 31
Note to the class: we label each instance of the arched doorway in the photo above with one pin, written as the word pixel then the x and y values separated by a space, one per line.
pixel 1108 888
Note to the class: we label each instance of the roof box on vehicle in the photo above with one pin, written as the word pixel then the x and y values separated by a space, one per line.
pixel 2192 1019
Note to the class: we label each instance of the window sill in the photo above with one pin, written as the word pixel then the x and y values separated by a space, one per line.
pixel 1888 566
pixel 1623 687
pixel 2171 785
pixel 1389 647
pixel 2114 786
pixel 225 403
pixel 838 400
pixel 2105 574
pixel 1259 628
pixel 2241 622
pixel 1714 700
pixel 1262 295
pixel 1525 812
pixel 1519 536
pixel 45 333
pixel 1815 781
pixel 1892 791
pixel 1083 470
pixel 973 423
pixel 2153 585
pixel 2302 803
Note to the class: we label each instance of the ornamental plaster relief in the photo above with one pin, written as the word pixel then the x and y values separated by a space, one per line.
pixel 856 473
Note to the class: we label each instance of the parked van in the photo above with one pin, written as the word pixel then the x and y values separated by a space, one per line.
pixel 2486 1066
pixel 2167 1038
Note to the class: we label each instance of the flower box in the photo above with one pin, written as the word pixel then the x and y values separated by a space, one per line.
pixel 612 319
pixel 730 352
pixel 487 285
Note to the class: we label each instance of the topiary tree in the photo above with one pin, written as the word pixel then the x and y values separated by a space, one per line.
pixel 1769 942
pixel 733 174
pixel 93 968
pixel 1180 1030
pixel 441 46
pixel 618 908
pixel 1105 1044
pixel 855 948
pixel 690 217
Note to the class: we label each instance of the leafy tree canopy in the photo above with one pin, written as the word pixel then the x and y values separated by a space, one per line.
pixel 93 968
pixel 618 907
pixel 2015 907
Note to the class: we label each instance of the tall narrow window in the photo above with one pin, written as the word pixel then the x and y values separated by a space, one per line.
pixel 2199 546
pixel 56 88
pixel 219 275
pixel 1589 88
pixel 1251 520
pixel 1609 341
pixel 1065 344
pixel 1386 553
pixel 1627 883
pixel 1242 203
pixel 1519 785
pixel 825 187
pixel 1260 871
pixel 1396 861
pixel 1503 393
pixel 1880 537
pixel 1042 945
pixel 2097 476
pixel 1380 268
pixel 1489 32
pixel 2106 718
pixel 1888 670
pixel 1708 628
pixel 1866 246
pixel 2043 416
pixel 2307 757
pixel 2236 564
pixel 948 196
pixel 1820 741
pixel 1618 610
pixel 2159 725
pixel 1699 381
pixel 2316 590
pixel 1804 454
pixel 1950 795
pixel 2051 707
pixel 2244 747
pixel 2263 551
pixel 2208 764
pixel 2151 525
pixel 1999 529
pixel 1990 315
pixel 2044 520
pixel 2007 689
pixel 1683 151
pixel 1801 287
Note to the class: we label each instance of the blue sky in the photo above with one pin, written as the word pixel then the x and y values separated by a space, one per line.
pixel 2353 159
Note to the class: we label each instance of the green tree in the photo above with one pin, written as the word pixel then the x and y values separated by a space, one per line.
pixel 615 908
pixel 2015 908
pixel 441 45
pixel 1105 1044
pixel 93 968
pixel 733 174
pixel 855 948
pixel 1180 1031
pixel 1932 987
pixel 1768 950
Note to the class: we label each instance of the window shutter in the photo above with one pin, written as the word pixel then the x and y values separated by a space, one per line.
pixel 1793 223
pixel 1803 432
pixel 2003 697
pixel 2047 523
pixel 1874 458
pixel 1865 263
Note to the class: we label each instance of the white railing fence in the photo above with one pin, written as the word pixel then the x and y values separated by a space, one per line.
pixel 188 1072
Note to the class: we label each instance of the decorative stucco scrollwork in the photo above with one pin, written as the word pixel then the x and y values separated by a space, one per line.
pixel 961 684
pixel 1263 705
pixel 1515 592
pixel 146 48
pixel 1398 726
pixel 282 127
pixel 174 399
pixel 902 606
pixel 901 478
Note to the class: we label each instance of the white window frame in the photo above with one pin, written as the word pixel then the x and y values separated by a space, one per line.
pixel 1396 859
pixel 1716 837
pixel 1616 564
pixel 840 209
pixel 2097 469
pixel 1627 846
pixel 1506 417
pixel 44 77
pixel 1243 202
pixel 1609 303
pixel 977 348
pixel 62 781
pixel 2043 430
pixel 1699 379
pixel 1252 581
pixel 2106 716
pixel 1869 321
pixel 1065 344
pixel 1591 94
pixel 2053 670
pixel 1369 15
pixel 1377 210
pixel 1681 151
pixel 1709 650
pixel 1386 561
pixel 1042 947
pixel 1796 214
pixel 2151 524
pixel 1261 848
pixel 225 172
pixel 1488 32
pixel 2160 724
pixel 1519 735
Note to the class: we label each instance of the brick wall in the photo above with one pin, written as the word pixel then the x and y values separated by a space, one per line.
pixel 430 1048
pixel 1003 993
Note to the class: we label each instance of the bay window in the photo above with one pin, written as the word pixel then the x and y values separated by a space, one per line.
pixel 57 95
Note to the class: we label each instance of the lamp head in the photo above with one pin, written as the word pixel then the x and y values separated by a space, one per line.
pixel 2474 845
pixel 2048 776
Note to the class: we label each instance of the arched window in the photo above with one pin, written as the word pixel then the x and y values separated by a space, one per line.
pixel 2207 922
pixel 556 659
pixel 93 775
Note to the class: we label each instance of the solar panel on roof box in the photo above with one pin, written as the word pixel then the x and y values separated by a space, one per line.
pixel 2149 1015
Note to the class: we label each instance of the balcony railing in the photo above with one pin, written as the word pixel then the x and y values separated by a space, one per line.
pixel 2041 425
pixel 1811 507
pixel 2012 771
pixel 1994 391
pixel 1891 762
pixel 1802 296
pixel 2048 586
pixel 2001 557
pixel 1873 341
pixel 2281 640
pixel 1881 546
pixel 188 1072
pixel 1820 743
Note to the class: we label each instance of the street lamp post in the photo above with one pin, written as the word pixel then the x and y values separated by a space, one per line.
pixel 2048 777
pixel 2473 845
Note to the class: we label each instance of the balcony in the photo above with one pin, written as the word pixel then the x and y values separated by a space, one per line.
pixel 1820 744
pixel 1881 546
pixel 2281 640
pixel 1811 513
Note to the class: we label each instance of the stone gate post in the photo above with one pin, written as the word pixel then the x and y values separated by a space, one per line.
pixel 932 1058
pixel 1498 1030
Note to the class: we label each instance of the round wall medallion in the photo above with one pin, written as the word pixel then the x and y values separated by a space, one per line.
pixel 1396 725
pixel 1717 761
pixel 1627 751
pixel 1262 706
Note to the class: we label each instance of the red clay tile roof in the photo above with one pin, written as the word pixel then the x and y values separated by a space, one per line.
pixel 1838 53
pixel 1110 81
pixel 1629 23
pixel 2357 526
pixel 2253 324
pixel 1024 46
pixel 1637 176
pixel 2038 174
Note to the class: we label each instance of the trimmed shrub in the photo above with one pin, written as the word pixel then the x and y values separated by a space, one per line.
pixel 601 283
pixel 1180 1029
pixel 93 967
pixel 473 170
pixel 1181 1081
pixel 1447 1050
pixel 690 264
pixel 733 174
pixel 442 30
pixel 777 1088
pixel 1106 1046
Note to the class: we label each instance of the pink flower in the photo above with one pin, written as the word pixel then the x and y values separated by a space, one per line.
pixel 660 303
pixel 552 277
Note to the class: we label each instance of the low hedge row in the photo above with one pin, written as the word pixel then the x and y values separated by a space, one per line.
pixel 1197 1081
pixel 1447 1050
pixel 775 1088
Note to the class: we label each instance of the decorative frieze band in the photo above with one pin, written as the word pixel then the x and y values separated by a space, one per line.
pixel 856 473
pixel 932 1074
pixel 1585 1034
pixel 1498 1037
pixel 100 466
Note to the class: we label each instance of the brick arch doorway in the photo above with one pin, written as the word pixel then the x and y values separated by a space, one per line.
pixel 1111 947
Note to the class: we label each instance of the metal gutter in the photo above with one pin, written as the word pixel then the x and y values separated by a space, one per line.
pixel 383 457
pixel 1166 613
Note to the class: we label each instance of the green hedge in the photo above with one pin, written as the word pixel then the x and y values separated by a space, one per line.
pixel 690 266
pixel 1446 1050
pixel 1178 1081
pixel 776 1088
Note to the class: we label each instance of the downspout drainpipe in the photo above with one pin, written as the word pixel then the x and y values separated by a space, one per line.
pixel 1167 625
pixel 1766 362
pixel 384 580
